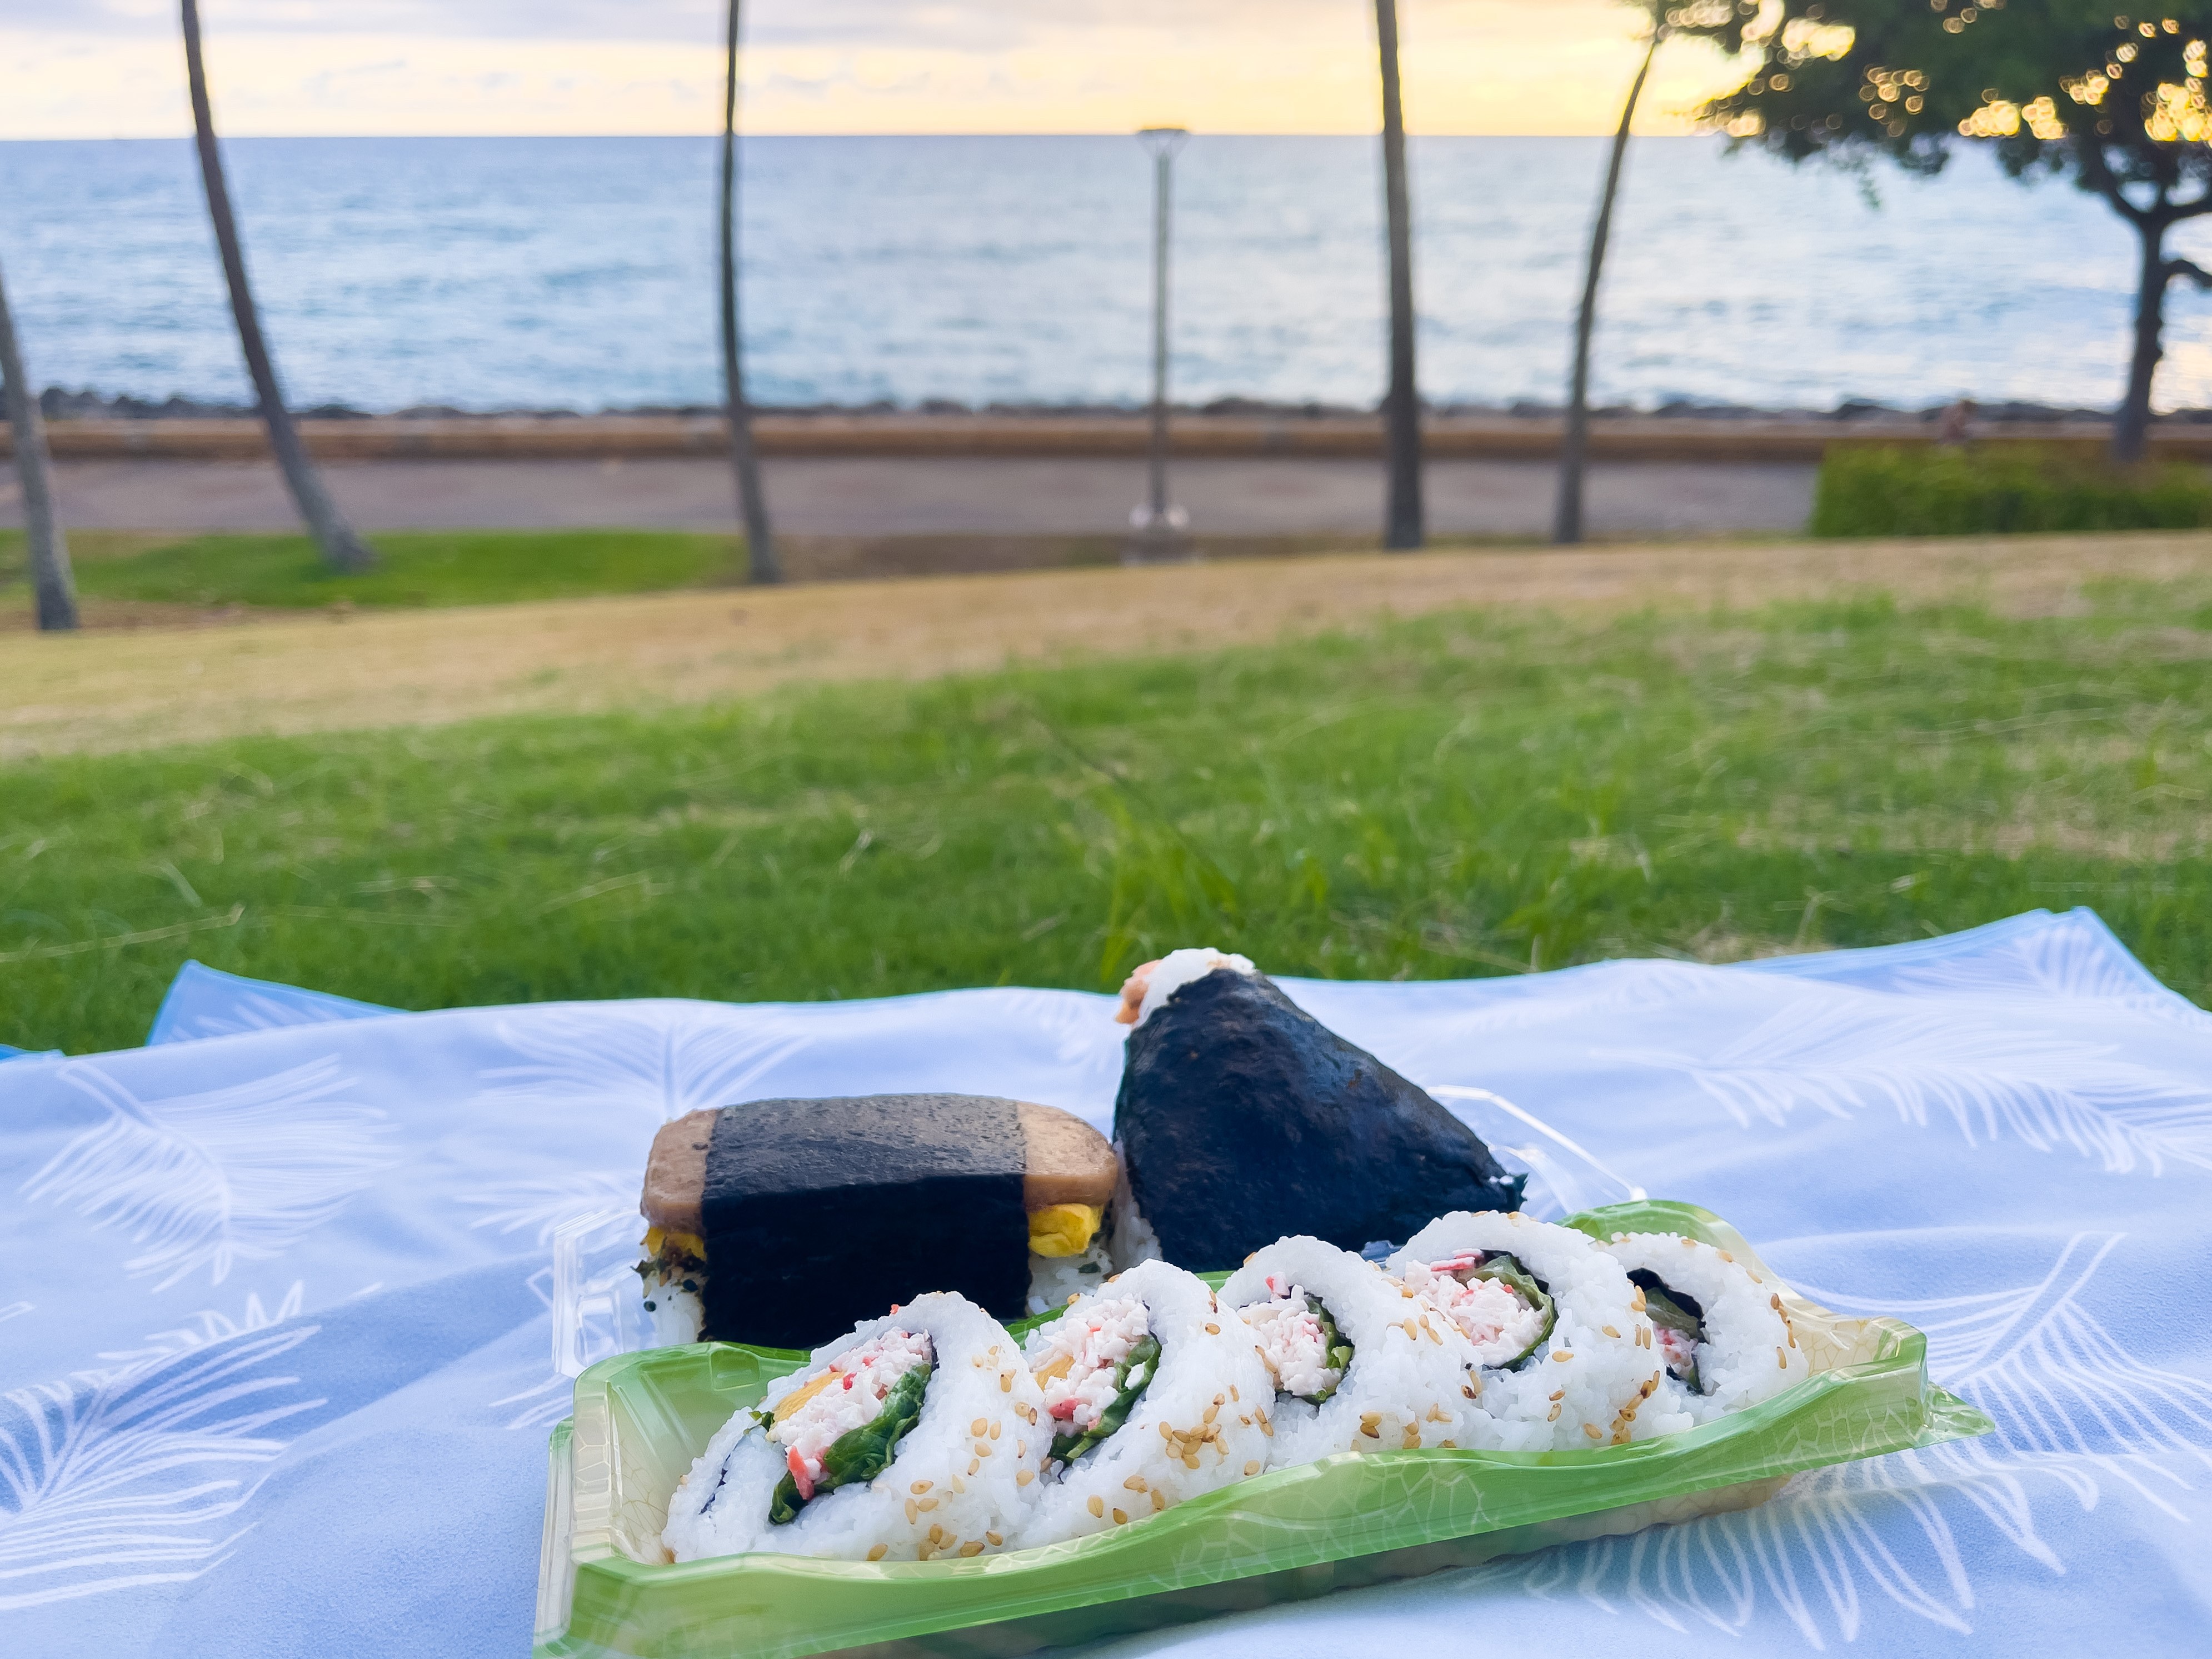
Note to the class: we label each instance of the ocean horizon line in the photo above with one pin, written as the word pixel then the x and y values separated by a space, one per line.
pixel 184 135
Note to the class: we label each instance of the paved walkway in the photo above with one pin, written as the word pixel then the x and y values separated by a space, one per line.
pixel 893 497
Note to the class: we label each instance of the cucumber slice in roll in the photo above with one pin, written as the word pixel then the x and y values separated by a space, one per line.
pixel 1508 1270
pixel 1141 1362
pixel 1336 1349
pixel 862 1454
pixel 1671 1310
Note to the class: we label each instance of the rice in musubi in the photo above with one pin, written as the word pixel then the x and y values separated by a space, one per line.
pixel 1357 1365
pixel 915 1437
pixel 1721 1329
pixel 1153 1395
pixel 1565 1354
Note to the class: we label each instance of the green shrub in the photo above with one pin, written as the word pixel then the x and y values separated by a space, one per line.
pixel 1980 490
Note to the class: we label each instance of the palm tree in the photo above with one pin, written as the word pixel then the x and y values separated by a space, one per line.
pixel 341 549
pixel 752 501
pixel 50 561
pixel 1567 524
pixel 1401 406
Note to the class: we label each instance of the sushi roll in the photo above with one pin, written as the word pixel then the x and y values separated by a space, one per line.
pixel 913 1437
pixel 780 1222
pixel 1242 1120
pixel 1354 1364
pixel 1722 1334
pixel 1153 1395
pixel 1565 1355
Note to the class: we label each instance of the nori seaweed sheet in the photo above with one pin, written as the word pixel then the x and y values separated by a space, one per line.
pixel 1243 1120
pixel 820 1214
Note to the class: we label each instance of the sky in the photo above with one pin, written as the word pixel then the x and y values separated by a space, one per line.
pixel 114 69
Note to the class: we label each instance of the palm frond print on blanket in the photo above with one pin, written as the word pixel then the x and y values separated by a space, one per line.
pixel 1843 1052
pixel 210 1179
pixel 666 1059
pixel 140 1474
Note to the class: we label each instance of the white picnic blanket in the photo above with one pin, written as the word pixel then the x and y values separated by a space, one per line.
pixel 291 1297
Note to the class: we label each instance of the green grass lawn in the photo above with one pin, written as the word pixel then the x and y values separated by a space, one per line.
pixel 417 567
pixel 1462 795
pixel 425 569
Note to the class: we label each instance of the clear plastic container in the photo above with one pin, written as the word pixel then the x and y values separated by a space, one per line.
pixel 606 1587
pixel 1563 1178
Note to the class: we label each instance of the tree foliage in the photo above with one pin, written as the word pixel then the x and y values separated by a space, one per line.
pixel 2111 98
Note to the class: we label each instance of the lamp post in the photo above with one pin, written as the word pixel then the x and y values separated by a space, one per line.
pixel 1159 527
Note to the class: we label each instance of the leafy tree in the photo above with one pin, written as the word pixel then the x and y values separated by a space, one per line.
pixel 53 592
pixel 341 549
pixel 1403 523
pixel 744 459
pixel 2110 98
pixel 1574 442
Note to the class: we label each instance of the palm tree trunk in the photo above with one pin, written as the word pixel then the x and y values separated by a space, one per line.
pixel 1402 520
pixel 744 459
pixel 1574 443
pixel 341 549
pixel 55 594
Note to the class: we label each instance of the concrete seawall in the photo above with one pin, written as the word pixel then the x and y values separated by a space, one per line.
pixel 1645 438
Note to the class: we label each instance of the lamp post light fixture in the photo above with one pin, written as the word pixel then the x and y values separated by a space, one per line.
pixel 1159 527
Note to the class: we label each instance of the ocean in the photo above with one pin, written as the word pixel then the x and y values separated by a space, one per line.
pixel 577 273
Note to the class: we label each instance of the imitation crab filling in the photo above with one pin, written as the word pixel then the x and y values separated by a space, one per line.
pixel 1305 1352
pixel 1499 1306
pixel 1093 1369
pixel 844 1425
pixel 1678 1325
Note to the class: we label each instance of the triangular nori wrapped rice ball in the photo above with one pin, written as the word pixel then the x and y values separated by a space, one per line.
pixel 1242 1120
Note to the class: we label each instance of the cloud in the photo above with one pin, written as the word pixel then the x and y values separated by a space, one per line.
pixel 978 26
pixel 831 66
pixel 967 25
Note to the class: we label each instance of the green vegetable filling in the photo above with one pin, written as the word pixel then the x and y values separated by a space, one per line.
pixel 858 1455
pixel 1335 1348
pixel 1066 1448
pixel 1670 1311
pixel 1507 1270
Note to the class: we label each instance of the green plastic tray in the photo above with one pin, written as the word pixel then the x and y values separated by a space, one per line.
pixel 606 1587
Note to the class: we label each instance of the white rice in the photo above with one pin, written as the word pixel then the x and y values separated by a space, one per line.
pixel 1590 1381
pixel 1054 1278
pixel 1130 1238
pixel 677 1314
pixel 962 1482
pixel 1179 968
pixel 1750 1352
pixel 1409 1380
pixel 1199 1424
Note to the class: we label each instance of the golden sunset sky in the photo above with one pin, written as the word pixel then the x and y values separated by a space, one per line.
pixel 110 69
